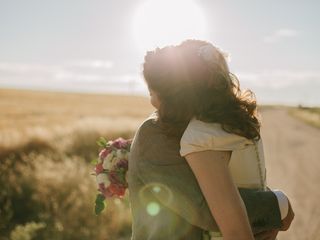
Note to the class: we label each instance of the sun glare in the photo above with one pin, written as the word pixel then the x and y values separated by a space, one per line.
pixel 159 23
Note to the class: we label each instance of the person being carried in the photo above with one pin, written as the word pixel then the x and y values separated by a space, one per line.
pixel 215 186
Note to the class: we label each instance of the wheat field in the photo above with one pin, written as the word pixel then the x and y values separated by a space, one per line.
pixel 47 141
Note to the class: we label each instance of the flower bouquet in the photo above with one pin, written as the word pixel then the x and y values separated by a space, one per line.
pixel 110 170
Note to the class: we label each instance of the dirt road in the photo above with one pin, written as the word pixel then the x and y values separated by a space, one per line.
pixel 292 150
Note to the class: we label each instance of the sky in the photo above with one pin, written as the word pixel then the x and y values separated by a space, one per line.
pixel 98 45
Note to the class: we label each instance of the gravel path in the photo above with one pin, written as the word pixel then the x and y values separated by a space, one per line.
pixel 292 150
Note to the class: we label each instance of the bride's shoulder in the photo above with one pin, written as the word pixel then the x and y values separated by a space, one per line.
pixel 148 126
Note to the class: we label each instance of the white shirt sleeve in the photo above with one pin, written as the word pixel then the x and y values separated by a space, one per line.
pixel 283 202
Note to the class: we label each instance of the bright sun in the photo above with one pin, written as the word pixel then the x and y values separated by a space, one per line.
pixel 161 22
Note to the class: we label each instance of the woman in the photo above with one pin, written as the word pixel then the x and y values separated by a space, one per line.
pixel 199 101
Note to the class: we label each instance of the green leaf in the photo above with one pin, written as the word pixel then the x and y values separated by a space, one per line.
pixel 102 142
pixel 100 198
pixel 98 208
pixel 122 179
pixel 99 204
pixel 94 162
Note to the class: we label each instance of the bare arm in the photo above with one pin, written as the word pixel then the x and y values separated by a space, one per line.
pixel 211 170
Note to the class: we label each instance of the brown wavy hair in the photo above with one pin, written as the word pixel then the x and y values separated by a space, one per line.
pixel 188 85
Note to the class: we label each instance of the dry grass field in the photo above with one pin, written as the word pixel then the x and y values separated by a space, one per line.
pixel 47 140
pixel 46 115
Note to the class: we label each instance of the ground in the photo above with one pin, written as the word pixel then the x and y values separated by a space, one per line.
pixel 292 150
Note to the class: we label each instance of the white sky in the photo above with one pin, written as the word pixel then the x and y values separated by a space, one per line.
pixel 90 45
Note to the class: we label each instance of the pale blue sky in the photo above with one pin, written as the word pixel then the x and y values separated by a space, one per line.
pixel 82 45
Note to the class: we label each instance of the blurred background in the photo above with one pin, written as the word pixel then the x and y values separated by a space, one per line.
pixel 70 72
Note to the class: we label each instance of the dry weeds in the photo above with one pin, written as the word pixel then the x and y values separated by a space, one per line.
pixel 47 140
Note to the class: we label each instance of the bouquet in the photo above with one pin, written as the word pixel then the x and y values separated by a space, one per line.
pixel 110 170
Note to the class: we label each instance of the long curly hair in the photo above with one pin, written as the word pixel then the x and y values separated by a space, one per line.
pixel 191 83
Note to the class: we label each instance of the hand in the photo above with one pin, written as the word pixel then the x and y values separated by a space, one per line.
pixel 286 222
pixel 267 235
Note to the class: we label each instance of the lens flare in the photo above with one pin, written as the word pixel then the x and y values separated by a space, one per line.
pixel 156 197
pixel 153 208
pixel 158 190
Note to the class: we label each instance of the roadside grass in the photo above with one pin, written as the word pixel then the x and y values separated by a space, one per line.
pixel 310 115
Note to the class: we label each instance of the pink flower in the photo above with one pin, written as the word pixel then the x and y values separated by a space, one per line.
pixel 123 163
pixel 107 192
pixel 120 143
pixel 104 153
pixel 117 190
pixel 98 169
pixel 101 187
pixel 113 177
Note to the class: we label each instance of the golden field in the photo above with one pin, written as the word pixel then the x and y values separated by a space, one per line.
pixel 47 141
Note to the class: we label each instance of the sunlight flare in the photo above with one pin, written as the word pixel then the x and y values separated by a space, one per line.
pixel 159 23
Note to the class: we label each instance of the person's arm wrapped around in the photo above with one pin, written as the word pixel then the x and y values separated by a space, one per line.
pixel 159 162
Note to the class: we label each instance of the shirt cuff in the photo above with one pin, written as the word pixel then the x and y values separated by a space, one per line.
pixel 283 202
